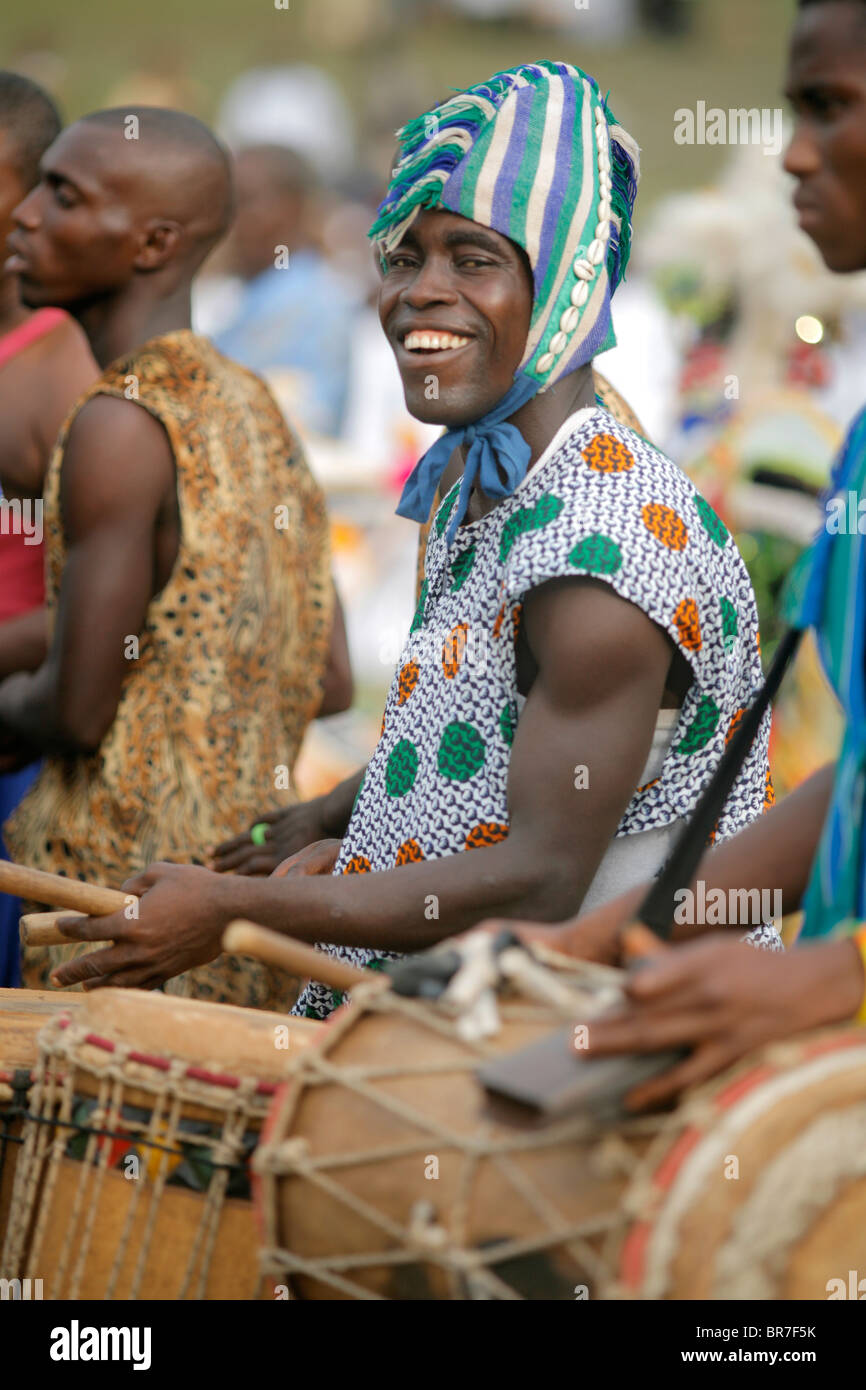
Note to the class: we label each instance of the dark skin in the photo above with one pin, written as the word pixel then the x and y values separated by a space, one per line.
pixel 599 673
pixel 712 995
pixel 453 276
pixel 114 232
pixel 37 388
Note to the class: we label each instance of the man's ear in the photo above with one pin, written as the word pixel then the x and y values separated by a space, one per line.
pixel 161 239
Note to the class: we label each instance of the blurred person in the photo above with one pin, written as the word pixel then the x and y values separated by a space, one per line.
pixel 193 625
pixel 295 314
pixel 581 601
pixel 45 364
pixel 298 106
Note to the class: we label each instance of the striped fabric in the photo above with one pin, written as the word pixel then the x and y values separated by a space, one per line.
pixel 826 590
pixel 536 154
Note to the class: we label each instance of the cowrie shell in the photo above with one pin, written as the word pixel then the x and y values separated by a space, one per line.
pixel 557 343
pixel 596 252
pixel 569 319
pixel 545 363
pixel 583 269
pixel 580 294
pixel 604 209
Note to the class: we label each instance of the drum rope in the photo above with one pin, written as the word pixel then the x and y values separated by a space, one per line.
pixel 444 1248
pixel 66 1054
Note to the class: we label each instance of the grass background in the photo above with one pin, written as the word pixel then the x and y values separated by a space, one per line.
pixel 90 51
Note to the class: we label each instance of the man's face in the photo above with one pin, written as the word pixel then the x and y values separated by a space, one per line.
pixel 826 85
pixel 455 303
pixel 74 237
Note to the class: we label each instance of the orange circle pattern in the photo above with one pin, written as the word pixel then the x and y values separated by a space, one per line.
pixel 666 525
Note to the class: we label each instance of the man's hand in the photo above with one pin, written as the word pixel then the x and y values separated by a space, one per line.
pixel 593 937
pixel 181 918
pixel 288 832
pixel 724 999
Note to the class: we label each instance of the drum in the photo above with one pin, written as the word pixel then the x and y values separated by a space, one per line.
pixel 387 1171
pixel 131 1180
pixel 22 1013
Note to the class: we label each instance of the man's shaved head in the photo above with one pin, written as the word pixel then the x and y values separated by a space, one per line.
pixel 130 199
pixel 176 165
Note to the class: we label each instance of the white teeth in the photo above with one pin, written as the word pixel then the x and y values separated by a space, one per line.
pixel 433 342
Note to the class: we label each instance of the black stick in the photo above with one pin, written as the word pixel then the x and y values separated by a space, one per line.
pixel 657 909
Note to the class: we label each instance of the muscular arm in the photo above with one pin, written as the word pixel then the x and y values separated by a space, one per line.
pixel 602 667
pixel 601 673
pixel 117 472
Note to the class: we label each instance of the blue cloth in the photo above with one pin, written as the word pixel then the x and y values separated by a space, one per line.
pixel 13 787
pixel 497 457
pixel 299 318
pixel 827 590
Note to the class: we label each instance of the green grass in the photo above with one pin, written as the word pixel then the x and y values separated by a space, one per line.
pixel 734 57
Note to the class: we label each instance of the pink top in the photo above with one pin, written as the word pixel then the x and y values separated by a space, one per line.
pixel 22 583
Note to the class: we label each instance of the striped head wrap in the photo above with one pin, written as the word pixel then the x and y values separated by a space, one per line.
pixel 536 154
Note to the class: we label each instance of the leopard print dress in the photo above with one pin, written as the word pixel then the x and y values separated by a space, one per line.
pixel 227 671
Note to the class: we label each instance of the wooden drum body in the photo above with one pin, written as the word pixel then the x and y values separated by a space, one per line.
pixel 131 1181
pixel 386 1171
pixel 23 1012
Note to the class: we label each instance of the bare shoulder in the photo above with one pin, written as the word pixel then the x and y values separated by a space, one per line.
pixel 117 457
pixel 105 422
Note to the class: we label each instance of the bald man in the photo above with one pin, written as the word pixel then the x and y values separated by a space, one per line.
pixel 188 573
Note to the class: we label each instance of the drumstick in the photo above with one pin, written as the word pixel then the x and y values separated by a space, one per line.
pixel 40 928
pixel 247 939
pixel 34 884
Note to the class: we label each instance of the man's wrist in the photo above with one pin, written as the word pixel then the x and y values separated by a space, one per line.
pixel 843 979
pixel 336 806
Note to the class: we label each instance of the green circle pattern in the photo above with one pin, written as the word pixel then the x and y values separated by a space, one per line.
pixel 444 512
pixel 525 519
pixel 701 729
pixel 597 554
pixel 461 751
pixel 712 524
pixel 418 620
pixel 462 568
pixel 508 722
pixel 730 626
pixel 402 768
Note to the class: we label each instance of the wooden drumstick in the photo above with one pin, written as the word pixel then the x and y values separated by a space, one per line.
pixel 40 928
pixel 35 884
pixel 247 939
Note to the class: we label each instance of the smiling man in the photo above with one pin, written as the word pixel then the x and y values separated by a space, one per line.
pixel 586 634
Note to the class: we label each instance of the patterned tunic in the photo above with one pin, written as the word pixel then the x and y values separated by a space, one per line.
pixel 230 660
pixel 601 502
